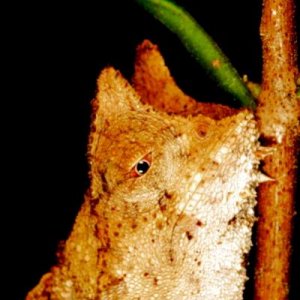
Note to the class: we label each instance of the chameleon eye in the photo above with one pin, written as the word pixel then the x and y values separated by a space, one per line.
pixel 142 167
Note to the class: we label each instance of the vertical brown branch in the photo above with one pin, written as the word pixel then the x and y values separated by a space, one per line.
pixel 278 116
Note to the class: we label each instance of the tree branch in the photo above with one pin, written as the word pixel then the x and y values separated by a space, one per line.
pixel 278 114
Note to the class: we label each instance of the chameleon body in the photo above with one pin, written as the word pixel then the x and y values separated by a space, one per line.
pixel 170 208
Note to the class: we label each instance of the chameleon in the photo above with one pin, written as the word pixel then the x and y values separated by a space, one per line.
pixel 170 207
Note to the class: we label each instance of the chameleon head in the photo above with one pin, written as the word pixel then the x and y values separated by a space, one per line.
pixel 174 197
pixel 171 203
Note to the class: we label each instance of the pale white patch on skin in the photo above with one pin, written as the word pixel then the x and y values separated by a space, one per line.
pixel 192 197
pixel 216 201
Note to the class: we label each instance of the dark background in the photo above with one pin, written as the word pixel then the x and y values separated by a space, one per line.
pixel 56 52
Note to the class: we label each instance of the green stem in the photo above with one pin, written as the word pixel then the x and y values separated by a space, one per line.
pixel 201 46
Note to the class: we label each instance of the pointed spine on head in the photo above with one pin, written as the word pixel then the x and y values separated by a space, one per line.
pixel 114 97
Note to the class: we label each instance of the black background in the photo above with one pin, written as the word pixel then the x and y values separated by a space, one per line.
pixel 55 52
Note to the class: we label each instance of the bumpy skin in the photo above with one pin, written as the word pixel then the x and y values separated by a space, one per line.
pixel 178 231
pixel 153 82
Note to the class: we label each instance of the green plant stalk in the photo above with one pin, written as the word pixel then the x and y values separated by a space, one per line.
pixel 201 46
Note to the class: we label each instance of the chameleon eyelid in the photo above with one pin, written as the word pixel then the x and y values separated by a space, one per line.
pixel 144 163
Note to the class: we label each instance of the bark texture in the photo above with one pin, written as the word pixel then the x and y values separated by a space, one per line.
pixel 278 115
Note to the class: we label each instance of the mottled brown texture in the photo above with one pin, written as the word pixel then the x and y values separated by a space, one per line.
pixel 278 115
pixel 154 83
pixel 168 233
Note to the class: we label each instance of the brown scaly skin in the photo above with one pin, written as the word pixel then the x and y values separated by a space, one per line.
pixel 155 85
pixel 181 229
